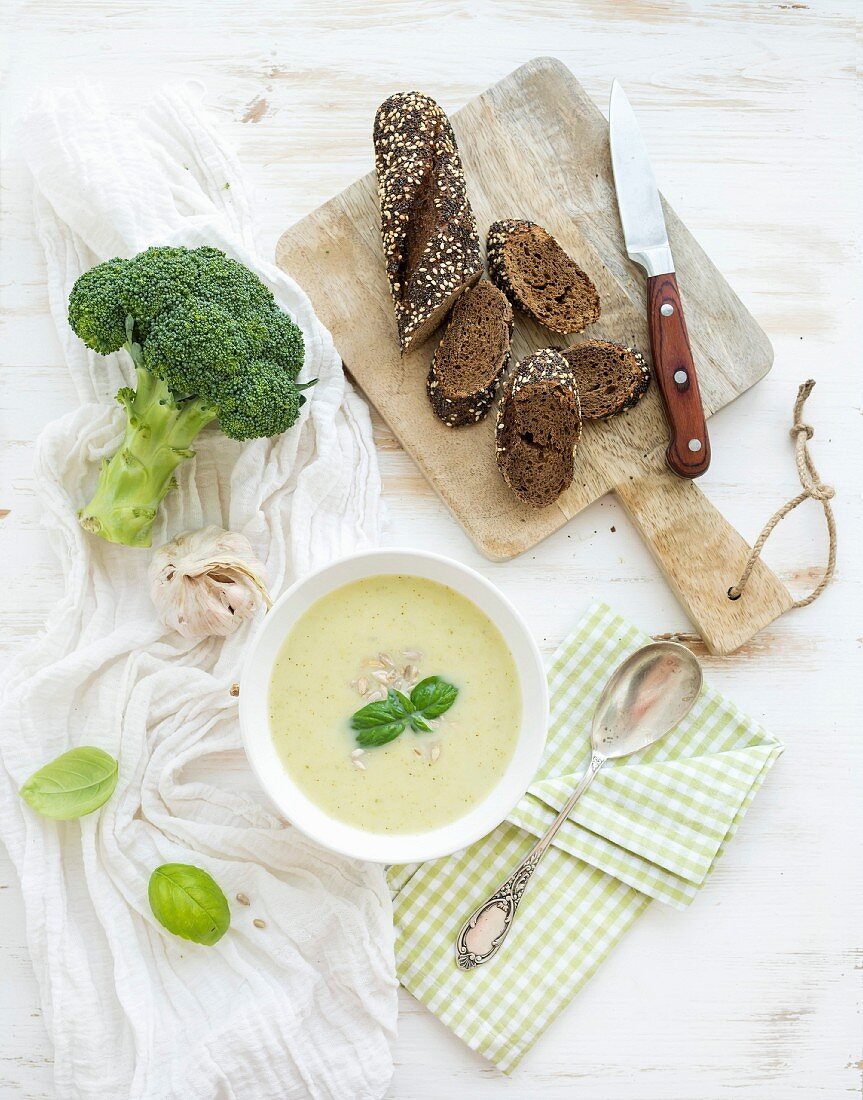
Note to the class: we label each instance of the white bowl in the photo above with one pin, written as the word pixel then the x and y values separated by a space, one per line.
pixel 287 796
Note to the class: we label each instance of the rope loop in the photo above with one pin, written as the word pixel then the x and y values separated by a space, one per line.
pixel 807 429
pixel 813 489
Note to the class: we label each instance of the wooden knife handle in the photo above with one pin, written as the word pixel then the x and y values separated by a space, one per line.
pixel 688 453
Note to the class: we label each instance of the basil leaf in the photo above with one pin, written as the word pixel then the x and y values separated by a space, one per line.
pixel 76 783
pixel 379 723
pixel 382 722
pixel 397 699
pixel 381 735
pixel 189 902
pixel 433 696
pixel 376 714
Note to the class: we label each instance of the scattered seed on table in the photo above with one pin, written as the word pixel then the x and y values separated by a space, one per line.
pixel 235 690
pixel 258 923
pixel 243 900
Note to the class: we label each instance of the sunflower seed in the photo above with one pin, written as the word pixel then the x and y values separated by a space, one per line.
pixel 381 676
pixel 243 900
pixel 258 923
pixel 358 764
pixel 362 685
pixel 417 751
pixel 411 673
pixel 413 654
pixel 392 676
pixel 386 660
pixel 357 753
pixel 377 695
pixel 434 753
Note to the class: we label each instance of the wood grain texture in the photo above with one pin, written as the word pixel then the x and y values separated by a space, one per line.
pixel 698 551
pixel 747 107
pixel 688 452
pixel 535 146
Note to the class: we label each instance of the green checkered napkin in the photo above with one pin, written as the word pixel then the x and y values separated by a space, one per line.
pixel 651 826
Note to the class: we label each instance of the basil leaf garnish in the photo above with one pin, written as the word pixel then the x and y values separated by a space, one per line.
pixel 379 723
pixel 189 902
pixel 374 715
pixel 380 735
pixel 433 696
pixel 76 783
pixel 400 699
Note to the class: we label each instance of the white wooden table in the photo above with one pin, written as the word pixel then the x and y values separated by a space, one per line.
pixel 748 107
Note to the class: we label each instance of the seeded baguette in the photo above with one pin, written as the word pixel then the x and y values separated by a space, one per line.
pixel 428 229
pixel 539 278
pixel 611 378
pixel 470 359
pixel 538 428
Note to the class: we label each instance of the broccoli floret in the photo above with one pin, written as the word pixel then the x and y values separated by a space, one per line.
pixel 262 402
pixel 208 341
pixel 97 307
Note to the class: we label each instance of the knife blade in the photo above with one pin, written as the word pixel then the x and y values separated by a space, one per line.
pixel 646 238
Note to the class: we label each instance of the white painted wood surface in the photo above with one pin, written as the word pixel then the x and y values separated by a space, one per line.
pixel 749 111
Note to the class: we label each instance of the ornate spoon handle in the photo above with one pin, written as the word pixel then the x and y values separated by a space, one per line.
pixel 483 933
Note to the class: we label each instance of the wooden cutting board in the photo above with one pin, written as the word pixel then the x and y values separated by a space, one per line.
pixel 535 146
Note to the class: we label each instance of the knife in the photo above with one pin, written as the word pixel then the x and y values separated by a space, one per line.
pixel 647 244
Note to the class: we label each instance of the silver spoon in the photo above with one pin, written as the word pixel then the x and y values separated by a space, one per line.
pixel 645 698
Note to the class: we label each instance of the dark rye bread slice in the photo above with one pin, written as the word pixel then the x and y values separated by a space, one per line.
pixel 471 357
pixel 538 428
pixel 531 268
pixel 611 378
pixel 429 233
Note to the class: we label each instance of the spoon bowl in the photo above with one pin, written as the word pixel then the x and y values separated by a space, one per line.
pixel 645 698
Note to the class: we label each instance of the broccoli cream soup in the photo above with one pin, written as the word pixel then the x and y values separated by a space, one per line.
pixel 394 704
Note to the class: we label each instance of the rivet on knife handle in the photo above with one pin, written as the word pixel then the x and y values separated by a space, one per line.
pixel 688 453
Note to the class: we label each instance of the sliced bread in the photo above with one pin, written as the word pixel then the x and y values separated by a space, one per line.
pixel 538 428
pixel 531 268
pixel 429 233
pixel 611 378
pixel 471 357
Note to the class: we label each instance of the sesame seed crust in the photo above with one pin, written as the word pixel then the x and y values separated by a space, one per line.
pixel 567 301
pixel 429 234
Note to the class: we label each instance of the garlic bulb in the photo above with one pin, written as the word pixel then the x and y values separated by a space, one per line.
pixel 206 582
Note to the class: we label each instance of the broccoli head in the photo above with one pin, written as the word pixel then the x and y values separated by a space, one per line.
pixel 208 342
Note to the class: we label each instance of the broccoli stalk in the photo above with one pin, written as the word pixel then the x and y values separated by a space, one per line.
pixel 158 437
pixel 207 341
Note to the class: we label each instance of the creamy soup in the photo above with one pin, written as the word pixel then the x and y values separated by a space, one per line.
pixel 346 651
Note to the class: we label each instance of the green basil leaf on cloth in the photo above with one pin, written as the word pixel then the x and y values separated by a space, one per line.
pixel 189 902
pixel 76 783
